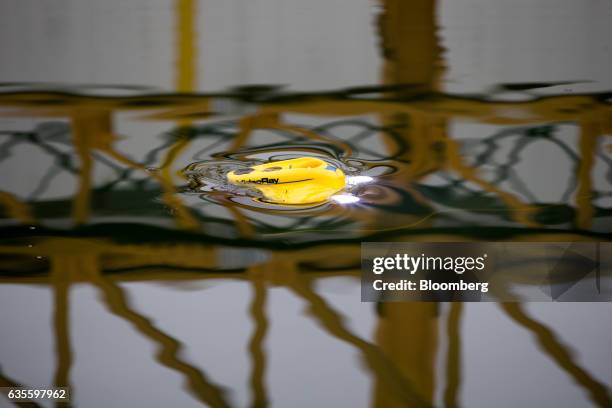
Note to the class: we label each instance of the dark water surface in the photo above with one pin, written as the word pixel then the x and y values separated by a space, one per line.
pixel 127 279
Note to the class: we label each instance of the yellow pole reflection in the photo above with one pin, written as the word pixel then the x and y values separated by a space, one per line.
pixel 407 332
pixel 92 128
pixel 590 130
pixel 186 59
pixel 62 268
pixel 453 358
pixel 256 343
pixel 15 208
pixel 408 30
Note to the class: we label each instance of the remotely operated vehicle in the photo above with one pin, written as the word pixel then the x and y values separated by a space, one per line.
pixel 305 180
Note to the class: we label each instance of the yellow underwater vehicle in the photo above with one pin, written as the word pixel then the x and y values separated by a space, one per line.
pixel 305 180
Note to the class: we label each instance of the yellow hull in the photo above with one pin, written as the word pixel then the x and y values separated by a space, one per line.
pixel 304 180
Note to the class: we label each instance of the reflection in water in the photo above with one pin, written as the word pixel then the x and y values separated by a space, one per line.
pixel 400 193
pixel 436 178
pixel 144 222
pixel 453 363
pixel 196 381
